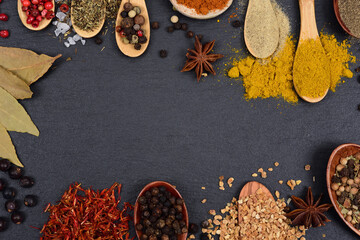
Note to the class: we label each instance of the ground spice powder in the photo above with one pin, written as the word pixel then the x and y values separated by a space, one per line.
pixel 204 6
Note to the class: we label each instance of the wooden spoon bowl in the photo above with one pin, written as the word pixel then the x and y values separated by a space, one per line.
pixel 337 14
pixel 170 188
pixel 22 15
pixel 191 13
pixel 342 151
pixel 93 32
pixel 128 49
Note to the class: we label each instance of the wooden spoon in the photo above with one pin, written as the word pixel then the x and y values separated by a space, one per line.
pixel 308 31
pixel 261 29
pixel 22 15
pixel 337 13
pixel 173 191
pixel 342 151
pixel 251 187
pixel 128 49
pixel 93 32
pixel 191 13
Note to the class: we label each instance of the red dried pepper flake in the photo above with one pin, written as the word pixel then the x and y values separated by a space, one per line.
pixel 87 214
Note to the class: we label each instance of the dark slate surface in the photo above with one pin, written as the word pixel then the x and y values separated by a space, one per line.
pixel 104 117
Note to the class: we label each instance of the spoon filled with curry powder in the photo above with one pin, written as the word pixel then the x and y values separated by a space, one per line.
pixel 311 71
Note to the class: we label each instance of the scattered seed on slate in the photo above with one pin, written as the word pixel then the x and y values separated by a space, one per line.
pixel 170 29
pixel 163 53
pixel 155 25
pixel 236 24
pixel 98 40
pixel 177 26
pixel 190 34
pixel 184 26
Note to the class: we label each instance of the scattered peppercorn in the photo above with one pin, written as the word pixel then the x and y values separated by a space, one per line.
pixel 17 218
pixel 155 25
pixel 174 19
pixel 9 193
pixel 193 228
pixel 26 182
pixel 11 205
pixel 170 29
pixel 4 17
pixel 137 46
pixel 4 33
pixel 30 201
pixel 3 224
pixel 204 236
pixel 64 8
pixel 177 26
pixel 190 34
pixel 163 53
pixel 184 26
pixel 236 24
pixel 15 172
pixel 98 40
pixel 205 224
pixel 4 165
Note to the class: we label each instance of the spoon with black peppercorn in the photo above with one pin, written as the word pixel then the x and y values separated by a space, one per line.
pixel 126 48
pixel 146 208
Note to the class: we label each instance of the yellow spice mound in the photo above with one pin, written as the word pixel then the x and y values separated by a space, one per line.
pixel 273 77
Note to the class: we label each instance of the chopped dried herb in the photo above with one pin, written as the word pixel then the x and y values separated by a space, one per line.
pixel 88 14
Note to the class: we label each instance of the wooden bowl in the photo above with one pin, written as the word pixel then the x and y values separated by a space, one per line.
pixel 344 150
pixel 173 191
pixel 337 13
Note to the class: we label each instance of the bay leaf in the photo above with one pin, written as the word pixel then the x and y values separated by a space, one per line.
pixel 13 116
pixel 14 85
pixel 7 149
pixel 26 64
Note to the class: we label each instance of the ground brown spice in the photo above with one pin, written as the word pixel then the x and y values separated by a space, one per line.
pixel 204 6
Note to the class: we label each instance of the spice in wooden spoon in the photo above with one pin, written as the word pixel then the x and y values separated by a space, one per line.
pixel 311 71
pixel 349 15
pixel 88 17
pixel 39 17
pixel 261 29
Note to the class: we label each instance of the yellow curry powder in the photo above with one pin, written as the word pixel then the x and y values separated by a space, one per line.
pixel 273 77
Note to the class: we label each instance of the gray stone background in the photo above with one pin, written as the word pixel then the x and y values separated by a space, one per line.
pixel 104 117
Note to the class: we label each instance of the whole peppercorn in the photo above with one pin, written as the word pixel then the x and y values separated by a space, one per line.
pixel 4 33
pixel 128 7
pixel 155 191
pixel 184 26
pixel 30 200
pixel 9 193
pixel 147 194
pixel 205 224
pixel 3 17
pixel 178 208
pixel 190 34
pixel 170 29
pixel 179 201
pixel 124 14
pixel 139 19
pixel 146 214
pixel 143 237
pixel 139 227
pixel 17 218
pixel 142 200
pixel 4 165
pixel 155 25
pixel 193 228
pixel 127 23
pixel 177 26
pixel 98 40
pixel 163 54
pixel 236 24
pixel 204 236
pixel 137 46
pixel 11 205
pixel 2 185
pixel 3 224
pixel 142 40
pixel 26 182
pixel 15 172
pixel 152 237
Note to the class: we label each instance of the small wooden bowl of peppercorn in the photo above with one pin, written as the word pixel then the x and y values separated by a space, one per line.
pixel 160 213
pixel 343 182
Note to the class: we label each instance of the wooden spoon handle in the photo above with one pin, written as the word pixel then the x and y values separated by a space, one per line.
pixel 308 20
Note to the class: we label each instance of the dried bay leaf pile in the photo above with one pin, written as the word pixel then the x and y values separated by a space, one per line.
pixel 19 68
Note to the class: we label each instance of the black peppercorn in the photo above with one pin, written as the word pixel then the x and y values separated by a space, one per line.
pixel 98 40
pixel 193 228
pixel 162 189
pixel 184 230
pixel 154 200
pixel 137 46
pixel 149 231
pixel 190 34
pixel 152 237
pixel 154 191
pixel 26 182
pixel 124 14
pixel 163 54
pixel 143 237
pixel 182 223
pixel 167 204
pixel 178 208
pixel 155 25
pixel 2 185
pixel 15 172
pixel 164 237
pixel 157 232
pixel 236 24
pixel 9 193
pixel 142 200
pixel 144 208
pixel 184 26
pixel 172 200
pixel 147 222
pixel 11 205
pixel 139 227
pixel 160 223
pixel 142 40
pixel 179 216
pixel 179 201
pixel 4 165
pixel 30 200
pixel 3 224
pixel 205 224
pixel 147 194
pixel 17 218
pixel 146 214
pixel 172 211
pixel 204 236
pixel 166 229
pixel 170 29
pixel 128 6
pixel 177 26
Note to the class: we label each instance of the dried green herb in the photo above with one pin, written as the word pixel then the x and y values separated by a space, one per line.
pixel 7 149
pixel 14 85
pixel 112 8
pixel 26 64
pixel 13 116
pixel 88 14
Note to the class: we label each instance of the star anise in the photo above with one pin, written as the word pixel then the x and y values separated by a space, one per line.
pixel 309 214
pixel 200 58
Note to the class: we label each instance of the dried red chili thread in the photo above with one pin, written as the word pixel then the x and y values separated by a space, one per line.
pixel 85 214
